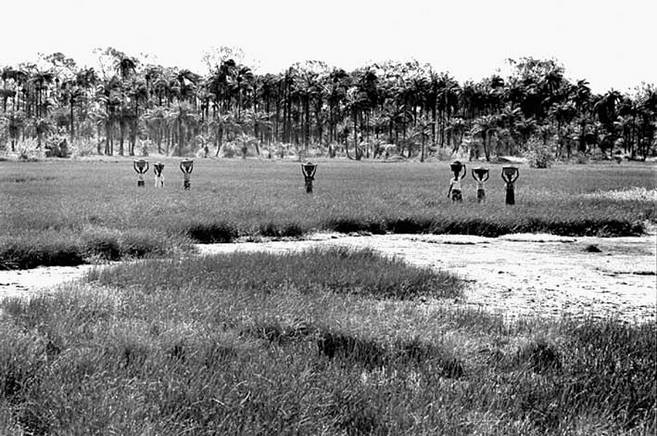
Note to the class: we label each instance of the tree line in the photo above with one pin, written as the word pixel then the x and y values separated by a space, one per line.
pixel 404 108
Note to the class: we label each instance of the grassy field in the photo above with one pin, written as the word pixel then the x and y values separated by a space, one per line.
pixel 67 212
pixel 327 342
pixel 322 342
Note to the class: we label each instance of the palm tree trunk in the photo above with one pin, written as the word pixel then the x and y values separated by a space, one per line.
pixel 159 140
pixel 121 136
pixel 107 138
pixel 181 138
pixel 433 125
pixel 72 123
pixel 98 150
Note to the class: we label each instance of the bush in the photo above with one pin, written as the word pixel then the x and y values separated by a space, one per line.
pixel 539 154
pixel 208 233
pixel 139 243
pixel 276 230
pixel 105 245
pixel 57 146
pixel 39 251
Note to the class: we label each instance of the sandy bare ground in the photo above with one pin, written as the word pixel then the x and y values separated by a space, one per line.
pixel 27 282
pixel 522 274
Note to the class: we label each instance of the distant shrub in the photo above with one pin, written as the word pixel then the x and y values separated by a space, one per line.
pixel 28 150
pixel 581 159
pixel 344 224
pixel 207 233
pixel 592 248
pixel 272 229
pixel 105 245
pixel 141 243
pixel 39 251
pixel 57 146
pixel 82 148
pixel 354 224
pixel 144 146
pixel 229 150
pixel 410 225
pixel 539 154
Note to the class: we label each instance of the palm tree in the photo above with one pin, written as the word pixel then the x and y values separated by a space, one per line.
pixel 185 119
pixel 447 100
pixel 155 119
pixel 125 66
pixel 582 100
pixel 606 110
pixel 456 129
pixel 563 114
pixel 485 126
pixel 108 94
pixel 137 92
pixel 42 126
pixel 240 82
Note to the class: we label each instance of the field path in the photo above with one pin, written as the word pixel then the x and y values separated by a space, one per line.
pixel 521 274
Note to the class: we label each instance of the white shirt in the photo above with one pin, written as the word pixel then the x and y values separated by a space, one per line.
pixel 455 184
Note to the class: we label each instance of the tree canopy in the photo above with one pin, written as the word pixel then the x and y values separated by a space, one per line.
pixel 406 107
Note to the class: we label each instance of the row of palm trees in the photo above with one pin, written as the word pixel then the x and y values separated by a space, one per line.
pixel 404 106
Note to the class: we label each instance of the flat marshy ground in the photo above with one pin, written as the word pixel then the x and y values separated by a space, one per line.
pixel 327 341
pixel 71 212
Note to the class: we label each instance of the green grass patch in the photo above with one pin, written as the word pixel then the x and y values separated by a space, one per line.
pixel 52 248
pixel 31 251
pixel 209 233
pixel 279 230
pixel 336 270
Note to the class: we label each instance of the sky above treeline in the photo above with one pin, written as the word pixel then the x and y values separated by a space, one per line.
pixel 610 43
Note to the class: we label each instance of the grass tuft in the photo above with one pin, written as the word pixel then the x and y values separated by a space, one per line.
pixel 209 233
pixel 104 245
pixel 592 248
pixel 275 230
pixel 540 356
pixel 53 248
pixel 30 252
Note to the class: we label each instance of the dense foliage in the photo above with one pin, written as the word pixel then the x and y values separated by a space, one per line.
pixel 128 106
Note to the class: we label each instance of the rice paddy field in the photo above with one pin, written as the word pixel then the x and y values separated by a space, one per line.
pixel 325 341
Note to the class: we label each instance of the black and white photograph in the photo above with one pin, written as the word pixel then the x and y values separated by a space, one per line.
pixel 345 217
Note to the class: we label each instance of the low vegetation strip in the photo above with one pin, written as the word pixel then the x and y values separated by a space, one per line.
pixel 51 248
pixel 198 346
pixel 336 270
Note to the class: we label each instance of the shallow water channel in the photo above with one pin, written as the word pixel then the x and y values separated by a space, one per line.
pixel 521 274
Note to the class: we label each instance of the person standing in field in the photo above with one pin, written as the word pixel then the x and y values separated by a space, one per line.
pixel 455 189
pixel 481 188
pixel 481 191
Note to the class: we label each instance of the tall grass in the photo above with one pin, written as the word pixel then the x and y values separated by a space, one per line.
pixel 230 199
pixel 198 346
